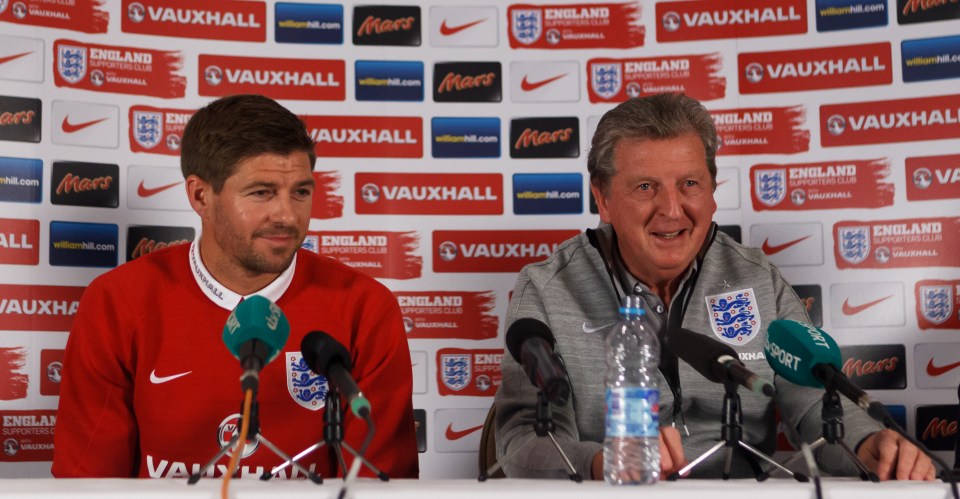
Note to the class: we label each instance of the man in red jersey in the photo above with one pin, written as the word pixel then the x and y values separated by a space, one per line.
pixel 149 388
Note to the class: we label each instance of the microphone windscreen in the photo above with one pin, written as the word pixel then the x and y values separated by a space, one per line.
pixel 256 319
pixel 319 350
pixel 793 349
pixel 523 329
pixel 701 352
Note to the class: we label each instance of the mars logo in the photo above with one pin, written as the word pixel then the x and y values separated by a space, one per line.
pixel 230 428
pixel 770 186
pixel 447 251
pixel 876 367
pixel 386 25
pixel 526 25
pixel 936 426
pixel 836 125
pixel 854 243
pixel 213 75
pixel 753 72
pixel 72 63
pixel 606 79
pixel 922 178
pixel 936 303
pixel 136 12
pixel 370 193
pixel 307 388
pixel 670 21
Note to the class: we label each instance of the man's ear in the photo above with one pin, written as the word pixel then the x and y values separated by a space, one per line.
pixel 601 200
pixel 199 194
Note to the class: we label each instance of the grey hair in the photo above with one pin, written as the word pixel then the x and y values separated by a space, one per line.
pixel 660 116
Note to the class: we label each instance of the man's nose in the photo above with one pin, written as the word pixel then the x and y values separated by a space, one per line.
pixel 669 203
pixel 283 211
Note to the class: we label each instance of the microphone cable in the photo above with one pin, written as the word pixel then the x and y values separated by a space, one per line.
pixel 241 442
pixel 804 446
pixel 358 459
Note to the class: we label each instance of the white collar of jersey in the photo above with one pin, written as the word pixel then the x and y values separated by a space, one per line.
pixel 223 297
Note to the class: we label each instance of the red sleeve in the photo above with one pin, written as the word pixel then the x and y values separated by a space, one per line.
pixel 383 373
pixel 96 432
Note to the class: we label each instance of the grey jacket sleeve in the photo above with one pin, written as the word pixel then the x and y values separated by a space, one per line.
pixel 519 450
pixel 802 405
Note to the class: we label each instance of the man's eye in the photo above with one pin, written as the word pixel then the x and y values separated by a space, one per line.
pixel 644 187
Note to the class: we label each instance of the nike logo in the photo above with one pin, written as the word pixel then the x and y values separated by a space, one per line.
pixel 452 434
pixel 849 309
pixel 529 86
pixel 163 379
pixel 933 370
pixel 76 127
pixel 145 192
pixel 772 249
pixel 13 57
pixel 446 30
pixel 589 329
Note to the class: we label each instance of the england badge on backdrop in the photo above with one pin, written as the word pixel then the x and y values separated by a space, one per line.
pixel 526 25
pixel 456 371
pixel 72 63
pixel 147 128
pixel 854 243
pixel 770 186
pixel 306 387
pixel 936 303
pixel 734 316
pixel 606 79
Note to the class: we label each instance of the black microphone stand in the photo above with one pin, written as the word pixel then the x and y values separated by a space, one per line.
pixel 253 430
pixel 831 412
pixel 543 427
pixel 332 436
pixel 731 434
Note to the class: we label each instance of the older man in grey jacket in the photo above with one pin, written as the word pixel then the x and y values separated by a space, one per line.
pixel 653 173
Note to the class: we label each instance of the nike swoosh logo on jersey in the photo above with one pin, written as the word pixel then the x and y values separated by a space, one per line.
pixel 772 249
pixel 13 57
pixel 452 434
pixel 145 192
pixel 590 329
pixel 529 86
pixel 76 127
pixel 933 370
pixel 849 309
pixel 163 379
pixel 447 30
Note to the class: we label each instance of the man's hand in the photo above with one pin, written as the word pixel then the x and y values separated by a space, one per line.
pixel 671 454
pixel 892 457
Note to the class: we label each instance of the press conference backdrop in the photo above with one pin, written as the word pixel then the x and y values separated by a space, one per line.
pixel 452 142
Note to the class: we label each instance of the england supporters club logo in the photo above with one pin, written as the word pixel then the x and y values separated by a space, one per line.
pixel 306 387
pixel 734 316
pixel 770 186
pixel 72 63
pixel 606 79
pixel 455 370
pixel 526 25
pixel 147 128
pixel 936 303
pixel 854 243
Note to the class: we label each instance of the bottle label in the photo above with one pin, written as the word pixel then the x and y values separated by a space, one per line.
pixel 633 412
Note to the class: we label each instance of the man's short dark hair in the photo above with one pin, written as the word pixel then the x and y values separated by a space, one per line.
pixel 234 128
pixel 661 116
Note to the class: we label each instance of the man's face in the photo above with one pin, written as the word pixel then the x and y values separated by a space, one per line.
pixel 260 217
pixel 660 202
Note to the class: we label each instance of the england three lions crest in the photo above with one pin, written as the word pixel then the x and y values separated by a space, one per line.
pixel 456 371
pixel 936 303
pixel 734 316
pixel 306 387
pixel 526 25
pixel 72 63
pixel 854 243
pixel 770 186
pixel 147 128
pixel 606 79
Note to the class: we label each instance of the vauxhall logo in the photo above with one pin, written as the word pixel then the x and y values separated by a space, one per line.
pixel 214 76
pixel 370 193
pixel 448 250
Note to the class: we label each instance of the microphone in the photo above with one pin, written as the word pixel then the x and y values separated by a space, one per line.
pixel 805 355
pixel 715 361
pixel 255 332
pixel 531 344
pixel 330 359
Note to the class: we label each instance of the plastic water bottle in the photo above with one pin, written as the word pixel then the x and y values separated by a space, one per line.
pixel 631 450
